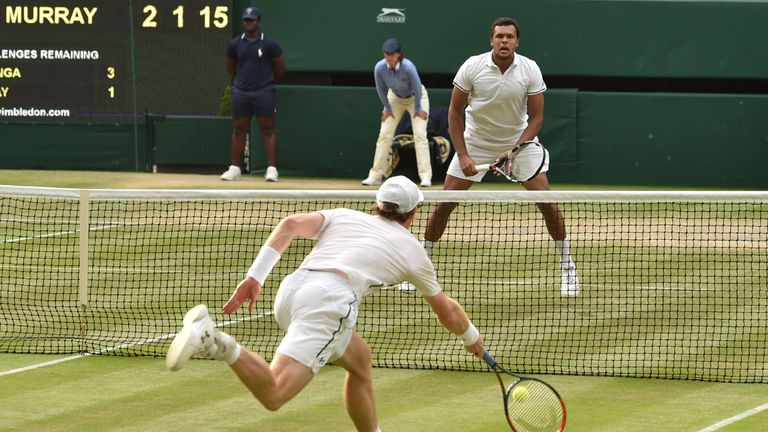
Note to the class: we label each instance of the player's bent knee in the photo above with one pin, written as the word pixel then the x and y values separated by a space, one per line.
pixel 362 360
pixel 272 405
pixel 358 359
pixel 366 359
pixel 272 401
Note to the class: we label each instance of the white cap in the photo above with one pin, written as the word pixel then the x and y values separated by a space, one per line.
pixel 401 191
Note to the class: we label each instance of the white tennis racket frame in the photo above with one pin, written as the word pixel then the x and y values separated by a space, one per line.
pixel 511 156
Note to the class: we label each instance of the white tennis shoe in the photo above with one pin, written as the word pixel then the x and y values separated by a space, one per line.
pixel 271 174
pixel 196 335
pixel 371 181
pixel 426 182
pixel 231 174
pixel 569 281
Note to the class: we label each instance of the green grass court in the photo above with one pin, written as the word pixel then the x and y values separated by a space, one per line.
pixel 94 393
pixel 138 394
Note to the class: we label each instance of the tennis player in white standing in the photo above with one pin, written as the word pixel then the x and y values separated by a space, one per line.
pixel 501 94
pixel 317 304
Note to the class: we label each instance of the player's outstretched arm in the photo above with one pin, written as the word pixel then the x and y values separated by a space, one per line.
pixel 247 289
pixel 299 225
pixel 305 225
pixel 453 317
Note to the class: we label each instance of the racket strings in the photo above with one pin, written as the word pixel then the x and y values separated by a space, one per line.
pixel 526 163
pixel 539 410
pixel 522 163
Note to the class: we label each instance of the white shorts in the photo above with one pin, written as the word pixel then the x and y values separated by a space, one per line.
pixel 318 311
pixel 484 153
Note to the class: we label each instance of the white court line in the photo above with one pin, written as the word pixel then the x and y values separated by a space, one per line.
pixel 119 347
pixel 56 234
pixel 40 365
pixel 734 419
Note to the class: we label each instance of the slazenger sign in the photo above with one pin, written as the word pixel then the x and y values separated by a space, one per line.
pixel 391 16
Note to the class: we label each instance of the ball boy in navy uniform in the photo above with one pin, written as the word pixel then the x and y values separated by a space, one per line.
pixel 254 61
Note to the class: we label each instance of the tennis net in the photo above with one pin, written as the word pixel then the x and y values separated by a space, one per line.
pixel 673 284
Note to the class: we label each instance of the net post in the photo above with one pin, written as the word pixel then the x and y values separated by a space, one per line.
pixel 84 212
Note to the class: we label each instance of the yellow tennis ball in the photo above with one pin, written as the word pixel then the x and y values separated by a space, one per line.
pixel 519 394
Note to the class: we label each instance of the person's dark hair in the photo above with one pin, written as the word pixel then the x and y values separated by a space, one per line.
pixel 505 21
pixel 388 210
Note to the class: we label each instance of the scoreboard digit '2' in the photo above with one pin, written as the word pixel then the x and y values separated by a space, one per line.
pixel 83 61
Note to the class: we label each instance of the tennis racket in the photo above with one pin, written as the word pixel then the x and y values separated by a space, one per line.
pixel 522 163
pixel 531 404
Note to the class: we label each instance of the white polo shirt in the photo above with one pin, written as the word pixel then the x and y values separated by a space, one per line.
pixel 373 251
pixel 497 111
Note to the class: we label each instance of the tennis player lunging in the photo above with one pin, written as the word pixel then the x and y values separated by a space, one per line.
pixel 317 304
pixel 502 95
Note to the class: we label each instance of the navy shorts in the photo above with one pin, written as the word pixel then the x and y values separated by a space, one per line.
pixel 249 103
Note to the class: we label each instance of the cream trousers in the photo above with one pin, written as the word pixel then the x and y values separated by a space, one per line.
pixel 387 133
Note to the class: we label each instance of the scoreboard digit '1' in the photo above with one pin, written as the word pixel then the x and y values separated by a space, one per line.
pixel 111 60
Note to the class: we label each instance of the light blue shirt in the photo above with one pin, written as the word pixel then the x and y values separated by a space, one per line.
pixel 403 81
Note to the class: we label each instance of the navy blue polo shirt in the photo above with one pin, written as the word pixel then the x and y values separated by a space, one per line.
pixel 253 61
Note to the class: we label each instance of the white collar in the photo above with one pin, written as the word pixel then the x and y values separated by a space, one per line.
pixel 489 60
pixel 261 36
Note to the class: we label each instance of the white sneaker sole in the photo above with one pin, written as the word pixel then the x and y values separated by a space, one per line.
pixel 570 289
pixel 185 344
pixel 569 292
pixel 271 174
pixel 569 281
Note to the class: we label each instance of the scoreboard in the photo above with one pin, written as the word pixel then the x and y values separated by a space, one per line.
pixel 80 61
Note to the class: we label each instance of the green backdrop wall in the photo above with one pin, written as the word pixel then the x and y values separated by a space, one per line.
pixel 593 137
pixel 84 147
pixel 601 138
pixel 721 39
pixel 676 139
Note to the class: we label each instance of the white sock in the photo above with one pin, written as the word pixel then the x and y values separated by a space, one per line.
pixel 563 250
pixel 378 429
pixel 428 245
pixel 233 356
pixel 230 347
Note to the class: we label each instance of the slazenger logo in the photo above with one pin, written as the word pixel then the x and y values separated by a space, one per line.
pixel 391 16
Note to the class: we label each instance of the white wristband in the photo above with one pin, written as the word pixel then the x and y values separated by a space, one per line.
pixel 262 265
pixel 470 336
